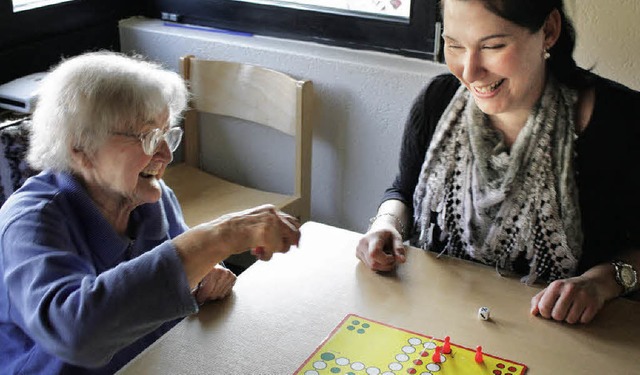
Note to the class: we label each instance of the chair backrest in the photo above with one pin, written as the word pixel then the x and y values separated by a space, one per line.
pixel 252 93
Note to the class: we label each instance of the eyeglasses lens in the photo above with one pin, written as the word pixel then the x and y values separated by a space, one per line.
pixel 151 140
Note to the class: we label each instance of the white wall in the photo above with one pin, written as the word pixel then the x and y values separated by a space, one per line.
pixel 363 97
pixel 608 38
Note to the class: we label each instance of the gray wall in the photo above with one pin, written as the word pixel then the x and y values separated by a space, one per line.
pixel 608 38
pixel 362 100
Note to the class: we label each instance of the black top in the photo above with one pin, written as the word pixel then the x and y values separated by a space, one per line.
pixel 607 163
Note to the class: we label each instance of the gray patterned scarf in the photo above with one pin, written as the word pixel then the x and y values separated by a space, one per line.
pixel 492 204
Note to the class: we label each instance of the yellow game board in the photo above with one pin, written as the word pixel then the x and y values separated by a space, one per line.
pixel 360 346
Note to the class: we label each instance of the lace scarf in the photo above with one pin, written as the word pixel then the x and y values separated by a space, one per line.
pixel 492 204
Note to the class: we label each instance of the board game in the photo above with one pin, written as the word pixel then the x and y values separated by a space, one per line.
pixel 360 346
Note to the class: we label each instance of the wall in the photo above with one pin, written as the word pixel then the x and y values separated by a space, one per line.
pixel 608 38
pixel 363 97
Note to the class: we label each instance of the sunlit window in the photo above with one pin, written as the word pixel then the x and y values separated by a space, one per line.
pixel 384 8
pixel 22 5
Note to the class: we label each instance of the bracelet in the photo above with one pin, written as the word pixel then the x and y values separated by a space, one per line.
pixel 195 291
pixel 396 218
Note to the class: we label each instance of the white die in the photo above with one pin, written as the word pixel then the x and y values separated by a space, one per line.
pixel 484 313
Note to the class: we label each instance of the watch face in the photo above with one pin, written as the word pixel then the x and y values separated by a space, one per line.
pixel 628 276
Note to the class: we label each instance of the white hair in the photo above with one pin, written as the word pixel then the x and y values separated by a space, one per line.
pixel 86 97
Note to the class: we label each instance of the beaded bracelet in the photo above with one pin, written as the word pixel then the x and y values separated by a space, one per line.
pixel 396 218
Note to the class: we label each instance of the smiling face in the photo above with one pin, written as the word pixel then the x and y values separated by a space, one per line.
pixel 501 63
pixel 120 176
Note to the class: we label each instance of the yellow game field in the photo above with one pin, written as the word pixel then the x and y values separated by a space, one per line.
pixel 359 346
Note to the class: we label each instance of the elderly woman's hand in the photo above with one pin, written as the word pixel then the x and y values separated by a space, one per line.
pixel 381 249
pixel 264 230
pixel 217 284
pixel 267 229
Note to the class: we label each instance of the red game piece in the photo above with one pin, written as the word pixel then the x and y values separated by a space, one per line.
pixel 479 358
pixel 258 251
pixel 436 355
pixel 446 347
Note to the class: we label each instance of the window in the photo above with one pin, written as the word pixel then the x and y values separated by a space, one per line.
pixel 22 5
pixel 380 8
pixel 406 27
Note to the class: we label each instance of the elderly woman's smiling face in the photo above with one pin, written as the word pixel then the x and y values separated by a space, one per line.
pixel 121 174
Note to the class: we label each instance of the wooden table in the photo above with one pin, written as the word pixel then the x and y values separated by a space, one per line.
pixel 282 310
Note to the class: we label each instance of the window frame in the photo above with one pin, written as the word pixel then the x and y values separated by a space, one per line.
pixel 415 38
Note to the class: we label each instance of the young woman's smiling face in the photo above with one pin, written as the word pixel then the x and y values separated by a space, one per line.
pixel 502 64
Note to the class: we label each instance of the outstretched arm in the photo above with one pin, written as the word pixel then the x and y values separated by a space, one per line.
pixel 578 299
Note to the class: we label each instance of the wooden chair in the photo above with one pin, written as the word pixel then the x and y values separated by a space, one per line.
pixel 251 93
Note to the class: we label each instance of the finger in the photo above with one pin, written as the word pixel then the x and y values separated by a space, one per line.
pixel 225 285
pixel 574 314
pixel 260 209
pixel 261 253
pixel 548 301
pixel 535 310
pixel 292 236
pixel 290 219
pixel 258 251
pixel 382 267
pixel 364 254
pixel 383 250
pixel 221 284
pixel 588 314
pixel 399 250
pixel 381 257
pixel 563 305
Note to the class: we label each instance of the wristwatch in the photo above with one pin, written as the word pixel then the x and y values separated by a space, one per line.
pixel 626 276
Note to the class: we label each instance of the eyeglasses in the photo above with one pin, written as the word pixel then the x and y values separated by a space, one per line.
pixel 151 140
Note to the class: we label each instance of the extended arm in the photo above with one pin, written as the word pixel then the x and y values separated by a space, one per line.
pixel 579 299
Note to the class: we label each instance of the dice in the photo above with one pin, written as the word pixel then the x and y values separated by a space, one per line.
pixel 484 313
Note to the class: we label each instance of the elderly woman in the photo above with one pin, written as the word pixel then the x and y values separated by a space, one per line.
pixel 521 160
pixel 95 257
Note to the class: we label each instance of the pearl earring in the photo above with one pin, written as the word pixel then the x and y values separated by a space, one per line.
pixel 546 54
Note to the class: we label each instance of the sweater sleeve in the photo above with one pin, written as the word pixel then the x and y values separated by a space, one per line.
pixel 82 316
pixel 419 128
pixel 608 152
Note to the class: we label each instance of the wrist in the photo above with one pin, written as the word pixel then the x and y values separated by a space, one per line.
pixel 602 277
pixel 626 277
pixel 387 220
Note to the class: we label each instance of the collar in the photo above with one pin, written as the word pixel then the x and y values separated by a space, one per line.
pixel 148 221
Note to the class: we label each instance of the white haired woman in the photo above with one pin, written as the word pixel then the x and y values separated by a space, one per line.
pixel 95 257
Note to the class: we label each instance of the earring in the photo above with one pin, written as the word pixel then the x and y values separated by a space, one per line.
pixel 546 54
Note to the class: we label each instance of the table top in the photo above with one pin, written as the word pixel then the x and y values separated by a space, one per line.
pixel 282 310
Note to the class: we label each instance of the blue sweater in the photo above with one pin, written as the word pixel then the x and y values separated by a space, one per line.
pixel 76 297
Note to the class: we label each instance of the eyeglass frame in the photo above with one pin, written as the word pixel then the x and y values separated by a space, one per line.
pixel 150 140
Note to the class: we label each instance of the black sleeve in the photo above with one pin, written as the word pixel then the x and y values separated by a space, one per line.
pixel 608 154
pixel 419 128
